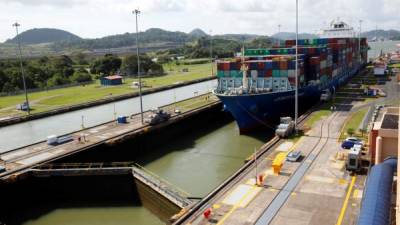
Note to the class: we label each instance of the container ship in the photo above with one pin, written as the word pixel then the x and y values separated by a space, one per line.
pixel 259 85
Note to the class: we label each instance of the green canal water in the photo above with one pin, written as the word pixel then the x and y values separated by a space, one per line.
pixel 196 162
pixel 97 216
pixel 199 164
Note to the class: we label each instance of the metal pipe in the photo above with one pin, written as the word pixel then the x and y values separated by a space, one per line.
pixel 16 25
pixel 137 12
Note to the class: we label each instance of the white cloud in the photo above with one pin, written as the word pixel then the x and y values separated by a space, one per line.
pixel 96 18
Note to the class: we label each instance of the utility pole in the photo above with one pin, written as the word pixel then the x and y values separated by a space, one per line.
pixel 279 31
pixel 296 100
pixel 211 53
pixel 137 12
pixel 255 165
pixel 16 25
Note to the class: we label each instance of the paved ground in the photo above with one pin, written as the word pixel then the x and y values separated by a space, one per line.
pixel 317 190
pixel 29 156
pixel 316 198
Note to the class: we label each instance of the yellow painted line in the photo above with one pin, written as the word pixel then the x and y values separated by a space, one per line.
pixel 253 193
pixel 296 144
pixel 346 201
pixel 236 206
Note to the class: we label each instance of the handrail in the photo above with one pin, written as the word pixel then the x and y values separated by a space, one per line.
pixel 160 186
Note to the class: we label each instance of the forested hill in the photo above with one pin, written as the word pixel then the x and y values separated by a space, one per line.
pixel 154 36
pixel 44 35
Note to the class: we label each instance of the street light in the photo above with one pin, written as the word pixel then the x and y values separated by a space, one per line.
pixel 296 100
pixel 279 31
pixel 211 53
pixel 359 44
pixel 16 25
pixel 137 12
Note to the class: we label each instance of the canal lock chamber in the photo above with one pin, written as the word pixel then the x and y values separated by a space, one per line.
pixel 195 154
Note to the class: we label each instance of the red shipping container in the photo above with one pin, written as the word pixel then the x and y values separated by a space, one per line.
pixel 314 60
pixel 311 51
pixel 226 66
pixel 332 40
pixel 268 73
pixel 283 65
pixel 260 65
pixel 290 42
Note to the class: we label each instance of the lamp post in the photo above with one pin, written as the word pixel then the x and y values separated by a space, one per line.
pixel 137 12
pixel 296 100
pixel 211 53
pixel 16 25
pixel 279 31
pixel 359 44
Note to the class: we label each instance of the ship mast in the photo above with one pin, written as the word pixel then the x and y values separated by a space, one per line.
pixel 244 69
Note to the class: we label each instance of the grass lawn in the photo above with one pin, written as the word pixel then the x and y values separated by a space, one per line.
pixel 397 65
pixel 318 115
pixel 47 100
pixel 192 103
pixel 353 122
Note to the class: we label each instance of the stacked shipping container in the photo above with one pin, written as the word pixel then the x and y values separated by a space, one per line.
pixel 319 59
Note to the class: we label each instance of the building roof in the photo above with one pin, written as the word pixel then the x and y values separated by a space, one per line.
pixel 114 77
pixel 390 121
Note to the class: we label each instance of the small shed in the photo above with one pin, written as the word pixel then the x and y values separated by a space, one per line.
pixel 111 80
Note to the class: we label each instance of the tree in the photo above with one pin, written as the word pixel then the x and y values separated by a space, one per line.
pixel 363 131
pixel 57 79
pixel 129 65
pixel 80 76
pixel 350 131
pixel 106 65
pixel 81 58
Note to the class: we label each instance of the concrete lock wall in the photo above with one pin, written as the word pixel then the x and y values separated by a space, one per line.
pixel 156 203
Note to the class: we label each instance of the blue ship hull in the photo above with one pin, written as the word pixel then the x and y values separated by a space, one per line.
pixel 257 110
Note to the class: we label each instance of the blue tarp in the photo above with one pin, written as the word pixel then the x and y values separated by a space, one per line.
pixel 375 208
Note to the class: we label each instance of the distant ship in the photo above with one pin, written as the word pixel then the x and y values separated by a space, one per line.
pixel 259 85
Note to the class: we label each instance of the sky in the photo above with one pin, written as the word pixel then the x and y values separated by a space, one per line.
pixel 98 18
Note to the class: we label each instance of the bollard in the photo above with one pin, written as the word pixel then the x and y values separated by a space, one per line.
pixel 207 213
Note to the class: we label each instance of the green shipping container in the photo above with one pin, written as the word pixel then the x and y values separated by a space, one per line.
pixel 227 74
pixel 220 73
pixel 284 73
pixel 236 73
pixel 276 73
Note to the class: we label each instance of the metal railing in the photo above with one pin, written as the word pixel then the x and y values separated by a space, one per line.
pixel 162 186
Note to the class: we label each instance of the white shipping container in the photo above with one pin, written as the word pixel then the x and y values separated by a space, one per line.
pixel 254 74
pixel 291 73
pixel 334 73
pixel 323 64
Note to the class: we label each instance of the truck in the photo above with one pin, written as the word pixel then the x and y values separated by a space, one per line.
pixel 23 106
pixel 285 128
pixel 353 162
pixel 55 140
pixel 157 116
